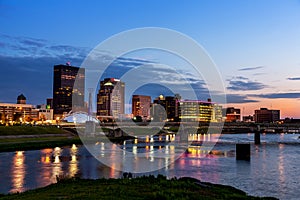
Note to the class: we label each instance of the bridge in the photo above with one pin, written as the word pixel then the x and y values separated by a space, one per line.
pixel 202 127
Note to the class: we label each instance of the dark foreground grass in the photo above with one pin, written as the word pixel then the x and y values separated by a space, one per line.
pixel 136 188
pixel 29 130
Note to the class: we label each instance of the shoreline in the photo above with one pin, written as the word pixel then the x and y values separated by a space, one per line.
pixel 145 187
pixel 19 143
pixel 33 138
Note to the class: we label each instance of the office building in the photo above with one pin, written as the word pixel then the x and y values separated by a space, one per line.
pixel 248 118
pixel 110 98
pixel 166 107
pixel 232 114
pixel 49 103
pixel 141 106
pixel 266 116
pixel 66 95
pixel 45 113
pixel 18 112
pixel 201 111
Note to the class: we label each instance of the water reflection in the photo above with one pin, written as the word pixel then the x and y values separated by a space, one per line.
pixel 56 166
pixel 46 170
pixel 73 164
pixel 18 171
pixel 271 171
pixel 281 168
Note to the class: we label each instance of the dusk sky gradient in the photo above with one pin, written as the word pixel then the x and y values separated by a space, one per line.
pixel 254 43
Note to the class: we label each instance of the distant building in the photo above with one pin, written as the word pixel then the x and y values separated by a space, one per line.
pixel 49 103
pixel 110 98
pixel 292 121
pixel 45 112
pixel 248 118
pixel 232 114
pixel 65 95
pixel 21 99
pixel 170 107
pixel 266 116
pixel 141 106
pixel 201 111
pixel 19 112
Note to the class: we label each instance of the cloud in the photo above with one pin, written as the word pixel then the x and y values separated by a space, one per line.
pixel 294 78
pixel 288 95
pixel 258 74
pixel 236 98
pixel 33 42
pixel 2 44
pixel 241 84
pixel 28 75
pixel 251 68
pixel 28 68
pixel 183 82
pixel 34 47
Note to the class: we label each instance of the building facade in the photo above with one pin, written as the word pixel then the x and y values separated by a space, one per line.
pixel 45 113
pixel 166 108
pixel 19 112
pixel 265 115
pixel 68 94
pixel 232 114
pixel 141 106
pixel 110 98
pixel 201 111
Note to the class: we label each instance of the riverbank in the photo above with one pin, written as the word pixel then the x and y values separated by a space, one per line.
pixel 137 188
pixel 20 138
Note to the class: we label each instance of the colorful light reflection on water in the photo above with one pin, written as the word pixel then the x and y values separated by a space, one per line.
pixel 272 171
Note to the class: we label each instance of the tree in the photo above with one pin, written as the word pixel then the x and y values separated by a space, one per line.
pixel 43 118
pixel 16 117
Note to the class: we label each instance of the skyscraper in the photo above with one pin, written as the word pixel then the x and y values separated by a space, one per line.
pixel 64 89
pixel 170 104
pixel 141 106
pixel 110 98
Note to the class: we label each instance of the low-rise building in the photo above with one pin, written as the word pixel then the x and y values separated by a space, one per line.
pixel 19 112
pixel 265 115
pixel 45 113
pixel 202 111
pixel 232 114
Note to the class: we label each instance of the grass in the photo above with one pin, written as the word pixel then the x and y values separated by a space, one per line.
pixel 22 144
pixel 29 130
pixel 39 138
pixel 136 188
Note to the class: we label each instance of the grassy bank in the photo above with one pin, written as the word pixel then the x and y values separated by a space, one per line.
pixel 136 188
pixel 35 137
pixel 22 144
pixel 29 130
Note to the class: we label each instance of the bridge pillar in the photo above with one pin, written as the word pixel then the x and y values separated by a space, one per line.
pixel 257 135
pixel 243 151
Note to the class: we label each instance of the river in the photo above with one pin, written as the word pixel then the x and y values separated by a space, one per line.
pixel 272 171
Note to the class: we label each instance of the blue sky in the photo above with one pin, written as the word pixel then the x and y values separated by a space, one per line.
pixel 255 44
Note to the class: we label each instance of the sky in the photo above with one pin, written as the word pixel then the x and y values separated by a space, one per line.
pixel 255 45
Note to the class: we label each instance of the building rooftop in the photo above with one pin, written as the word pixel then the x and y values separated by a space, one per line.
pixel 21 97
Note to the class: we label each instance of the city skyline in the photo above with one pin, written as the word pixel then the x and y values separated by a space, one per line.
pixel 254 44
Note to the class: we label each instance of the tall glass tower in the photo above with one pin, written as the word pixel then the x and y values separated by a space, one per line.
pixel 64 92
pixel 110 98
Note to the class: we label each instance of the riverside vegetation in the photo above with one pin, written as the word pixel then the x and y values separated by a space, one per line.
pixel 19 138
pixel 136 188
